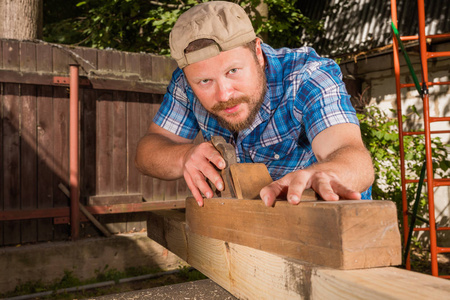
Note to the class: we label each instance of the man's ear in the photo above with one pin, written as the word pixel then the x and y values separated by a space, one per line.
pixel 259 53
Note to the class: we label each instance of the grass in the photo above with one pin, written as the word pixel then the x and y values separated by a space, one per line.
pixel 185 274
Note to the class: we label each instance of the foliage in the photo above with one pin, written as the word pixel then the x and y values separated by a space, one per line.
pixel 380 135
pixel 138 25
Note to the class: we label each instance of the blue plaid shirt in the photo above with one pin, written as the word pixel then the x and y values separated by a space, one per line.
pixel 305 95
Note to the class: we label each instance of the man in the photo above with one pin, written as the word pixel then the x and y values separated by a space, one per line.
pixel 286 108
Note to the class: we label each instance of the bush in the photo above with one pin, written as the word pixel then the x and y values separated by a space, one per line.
pixel 380 135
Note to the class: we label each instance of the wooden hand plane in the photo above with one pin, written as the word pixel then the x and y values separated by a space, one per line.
pixel 244 180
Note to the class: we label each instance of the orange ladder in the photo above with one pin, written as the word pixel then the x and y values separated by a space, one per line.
pixel 430 180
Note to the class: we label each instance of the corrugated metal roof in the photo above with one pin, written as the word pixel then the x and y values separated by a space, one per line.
pixel 360 25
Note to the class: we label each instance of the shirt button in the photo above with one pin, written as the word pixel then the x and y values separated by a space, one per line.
pixel 238 159
pixel 276 156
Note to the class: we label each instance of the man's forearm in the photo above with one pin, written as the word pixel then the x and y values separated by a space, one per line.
pixel 352 165
pixel 160 157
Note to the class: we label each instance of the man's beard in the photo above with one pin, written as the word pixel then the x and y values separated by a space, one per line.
pixel 254 102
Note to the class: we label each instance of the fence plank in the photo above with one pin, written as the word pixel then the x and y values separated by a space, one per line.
pixel 146 113
pixel 44 58
pixel 120 143
pixel 132 65
pixel 45 159
pixel 91 56
pixel 88 141
pixel 1 56
pixel 119 155
pixel 61 60
pixel 27 56
pixel 11 160
pixel 28 160
pixel 1 148
pixel 104 143
pixel 133 136
pixel 159 186
pixel 61 155
pixel 10 55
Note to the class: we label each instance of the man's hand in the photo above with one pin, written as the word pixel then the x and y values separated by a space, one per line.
pixel 343 170
pixel 167 156
pixel 198 166
pixel 326 184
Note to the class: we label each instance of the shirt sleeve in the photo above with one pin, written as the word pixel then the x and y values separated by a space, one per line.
pixel 322 97
pixel 176 114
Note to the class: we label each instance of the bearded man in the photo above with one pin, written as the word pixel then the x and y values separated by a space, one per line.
pixel 286 108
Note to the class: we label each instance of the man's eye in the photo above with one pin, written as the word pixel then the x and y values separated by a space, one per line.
pixel 232 71
pixel 204 81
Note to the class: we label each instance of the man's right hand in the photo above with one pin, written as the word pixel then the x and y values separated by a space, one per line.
pixel 198 165
pixel 167 156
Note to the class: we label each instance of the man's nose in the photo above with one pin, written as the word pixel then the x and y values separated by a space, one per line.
pixel 224 90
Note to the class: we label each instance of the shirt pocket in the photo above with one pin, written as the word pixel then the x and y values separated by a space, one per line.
pixel 275 152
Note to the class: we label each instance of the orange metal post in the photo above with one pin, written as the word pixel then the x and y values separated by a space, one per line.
pixel 426 115
pixel 73 154
pixel 400 130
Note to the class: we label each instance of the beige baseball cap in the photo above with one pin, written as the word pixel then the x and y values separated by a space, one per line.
pixel 224 22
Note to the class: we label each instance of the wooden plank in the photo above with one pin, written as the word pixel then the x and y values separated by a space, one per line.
pixel 61 120
pixel 135 222
pixel 146 115
pixel 28 56
pixel 97 82
pixel 63 212
pixel 119 144
pixel 162 68
pixel 88 128
pixel 11 160
pixel 45 133
pixel 133 136
pixel 115 199
pixel 104 144
pixel 245 272
pixel 28 161
pixel 119 157
pixel 1 149
pixel 1 56
pixel 161 188
pixel 44 58
pixel 250 273
pixel 377 283
pixel 61 61
pixel 90 55
pixel 10 53
pixel 341 234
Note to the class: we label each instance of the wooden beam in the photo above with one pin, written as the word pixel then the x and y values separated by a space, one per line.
pixel 249 273
pixel 98 82
pixel 115 199
pixel 63 212
pixel 337 234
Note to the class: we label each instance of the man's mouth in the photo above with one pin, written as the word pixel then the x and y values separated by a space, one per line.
pixel 232 109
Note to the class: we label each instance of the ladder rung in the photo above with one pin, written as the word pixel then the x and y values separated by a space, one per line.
pixel 438 54
pixel 443 249
pixel 409 85
pixel 442 182
pixel 422 132
pixel 439 119
pixel 428 229
pixel 437 181
pixel 416 37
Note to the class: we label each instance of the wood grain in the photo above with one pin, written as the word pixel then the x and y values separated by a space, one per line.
pixel 342 234
pixel 250 273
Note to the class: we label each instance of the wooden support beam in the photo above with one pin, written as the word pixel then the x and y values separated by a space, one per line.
pixel 249 273
pixel 337 234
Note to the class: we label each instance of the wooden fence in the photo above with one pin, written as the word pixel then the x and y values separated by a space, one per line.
pixel 119 94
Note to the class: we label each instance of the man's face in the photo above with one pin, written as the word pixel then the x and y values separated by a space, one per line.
pixel 231 86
